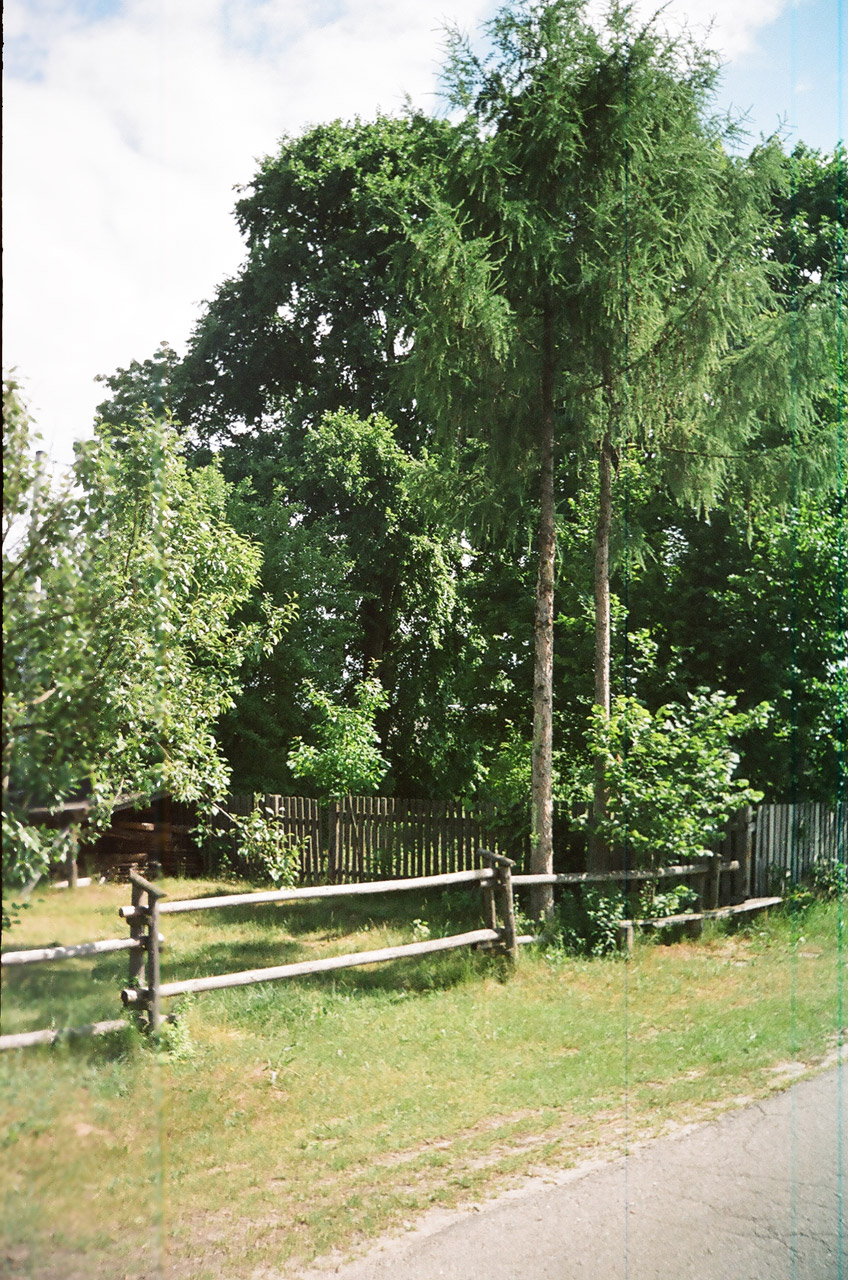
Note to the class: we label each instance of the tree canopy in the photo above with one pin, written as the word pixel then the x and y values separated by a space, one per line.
pixel 532 344
pixel 121 643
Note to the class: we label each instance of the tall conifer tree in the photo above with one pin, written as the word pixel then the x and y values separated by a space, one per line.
pixel 598 280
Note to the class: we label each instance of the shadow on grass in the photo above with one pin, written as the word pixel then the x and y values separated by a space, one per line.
pixel 341 916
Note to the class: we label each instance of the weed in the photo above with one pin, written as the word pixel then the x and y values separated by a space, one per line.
pixel 830 880
pixel 585 924
pixel 173 1039
pixel 670 902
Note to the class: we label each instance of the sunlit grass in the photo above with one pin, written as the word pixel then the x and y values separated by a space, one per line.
pixel 313 1114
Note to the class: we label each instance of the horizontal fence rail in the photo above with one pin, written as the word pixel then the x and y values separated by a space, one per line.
pixel 494 881
pixel 36 956
pixel 619 877
pixel 25 1038
pixel 303 968
pixel 318 891
pixel 48 1035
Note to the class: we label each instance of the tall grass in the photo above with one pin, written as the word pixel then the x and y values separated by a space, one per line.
pixel 276 1122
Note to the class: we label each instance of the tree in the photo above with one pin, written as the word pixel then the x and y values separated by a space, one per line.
pixel 672 773
pixel 353 528
pixel 150 385
pixel 776 634
pixel 315 321
pixel 120 650
pixel 597 281
pixel 347 759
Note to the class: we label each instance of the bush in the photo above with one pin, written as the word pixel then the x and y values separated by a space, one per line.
pixel 669 775
pixel 263 852
pixel 585 924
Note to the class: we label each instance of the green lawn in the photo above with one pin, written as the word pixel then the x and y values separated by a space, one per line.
pixel 294 1117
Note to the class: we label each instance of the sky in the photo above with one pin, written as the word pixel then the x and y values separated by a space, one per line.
pixel 128 124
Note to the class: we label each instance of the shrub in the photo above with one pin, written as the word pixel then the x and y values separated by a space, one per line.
pixel 263 851
pixel 669 775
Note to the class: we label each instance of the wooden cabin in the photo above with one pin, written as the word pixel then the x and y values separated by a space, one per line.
pixel 153 837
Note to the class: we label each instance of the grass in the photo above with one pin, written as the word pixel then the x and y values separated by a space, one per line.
pixel 277 1122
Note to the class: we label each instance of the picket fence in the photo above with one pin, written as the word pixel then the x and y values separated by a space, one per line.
pixel 791 839
pixel 361 838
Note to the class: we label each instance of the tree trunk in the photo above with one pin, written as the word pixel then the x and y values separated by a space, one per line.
pixel 541 849
pixel 600 857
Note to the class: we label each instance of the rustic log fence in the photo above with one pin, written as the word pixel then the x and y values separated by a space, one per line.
pixel 496 876
pixel 145 990
pixel 723 883
pixel 37 956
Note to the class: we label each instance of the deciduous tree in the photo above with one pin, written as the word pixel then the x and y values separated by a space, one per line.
pixel 120 644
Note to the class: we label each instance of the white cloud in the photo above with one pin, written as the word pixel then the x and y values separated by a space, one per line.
pixel 125 134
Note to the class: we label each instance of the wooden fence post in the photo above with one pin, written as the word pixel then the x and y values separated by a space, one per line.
pixel 502 889
pixel 152 963
pixel 713 883
pixel 741 852
pixel 140 885
pixel 137 924
pixel 490 917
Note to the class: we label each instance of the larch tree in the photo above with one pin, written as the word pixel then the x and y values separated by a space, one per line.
pixel 597 280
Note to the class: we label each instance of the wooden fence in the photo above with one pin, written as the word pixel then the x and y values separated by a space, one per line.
pixel 362 838
pixel 145 990
pixel 791 839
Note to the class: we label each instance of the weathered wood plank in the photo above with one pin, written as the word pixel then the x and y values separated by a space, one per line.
pixel 150 889
pixel 601 877
pixel 175 905
pixel 718 913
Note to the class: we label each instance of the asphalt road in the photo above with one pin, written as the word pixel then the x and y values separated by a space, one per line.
pixel 759 1194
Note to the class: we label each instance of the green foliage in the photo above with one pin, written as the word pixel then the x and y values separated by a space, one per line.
pixel 173 1040
pixel 317 319
pixel 504 781
pixel 758 612
pixel 585 148
pixel 654 903
pixel 263 851
pixel 830 881
pixel 121 646
pixel 350 523
pixel 145 386
pixel 347 759
pixel 585 923
pixel 669 775
pixel 411 270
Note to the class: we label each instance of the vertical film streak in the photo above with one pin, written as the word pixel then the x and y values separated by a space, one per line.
pixel 626 654
pixel 794 610
pixel 842 677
